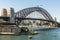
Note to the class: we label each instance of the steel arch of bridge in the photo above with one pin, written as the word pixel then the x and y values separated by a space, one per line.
pixel 25 12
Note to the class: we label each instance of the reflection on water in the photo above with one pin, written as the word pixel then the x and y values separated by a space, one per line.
pixel 43 35
pixel 13 37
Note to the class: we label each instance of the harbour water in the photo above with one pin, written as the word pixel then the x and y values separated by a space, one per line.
pixel 53 34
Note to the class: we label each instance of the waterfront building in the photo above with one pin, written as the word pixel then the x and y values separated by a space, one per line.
pixel 9 29
pixel 38 23
pixel 26 22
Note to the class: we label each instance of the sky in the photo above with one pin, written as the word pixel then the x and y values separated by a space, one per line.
pixel 52 6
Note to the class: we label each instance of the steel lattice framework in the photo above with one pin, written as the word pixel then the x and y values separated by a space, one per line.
pixel 25 12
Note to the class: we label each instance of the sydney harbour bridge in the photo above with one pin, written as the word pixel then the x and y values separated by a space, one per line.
pixel 22 14
pixel 25 12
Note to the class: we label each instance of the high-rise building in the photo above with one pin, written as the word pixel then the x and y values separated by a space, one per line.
pixel 4 12
pixel 11 14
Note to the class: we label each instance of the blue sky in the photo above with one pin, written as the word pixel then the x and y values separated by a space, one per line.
pixel 52 6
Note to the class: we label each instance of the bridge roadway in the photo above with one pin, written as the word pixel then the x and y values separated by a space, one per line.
pixel 20 19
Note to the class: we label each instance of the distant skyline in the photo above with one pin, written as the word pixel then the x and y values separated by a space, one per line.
pixel 52 6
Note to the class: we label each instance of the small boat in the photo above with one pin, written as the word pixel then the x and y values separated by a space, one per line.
pixel 34 33
pixel 30 37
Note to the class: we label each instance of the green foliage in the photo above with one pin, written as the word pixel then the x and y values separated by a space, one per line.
pixel 2 22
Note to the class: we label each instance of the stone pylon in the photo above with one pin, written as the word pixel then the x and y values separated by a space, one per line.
pixel 4 12
pixel 11 14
